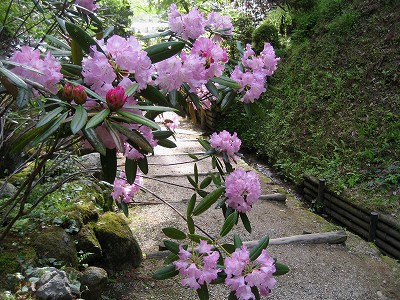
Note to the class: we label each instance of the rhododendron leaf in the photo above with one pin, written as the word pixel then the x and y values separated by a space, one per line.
pixel 52 128
pixel 162 134
pixel 174 233
pixel 13 63
pixel 229 223
pixel 190 224
pixel 71 68
pixel 152 108
pixel 165 273
pixel 79 119
pixel 171 258
pixel 256 293
pixel 192 156
pixel 246 222
pixel 58 42
pixel 226 81
pixel 214 162
pixel 166 143
pixel 216 179
pixel 154 95
pixel 229 248
pixel 135 138
pixel 205 182
pixel 108 31
pixel 125 209
pixel 232 296
pixel 94 140
pixel 205 144
pixel 19 144
pixel 196 174
pixel 76 52
pixel 197 238
pixel 256 251
pixel 228 100
pixel 49 116
pixel 202 292
pixel 119 144
pixel 202 193
pixel 81 37
pixel 98 118
pixel 191 205
pixel 207 201
pixel 15 79
pixel 164 50
pixel 23 97
pixel 143 165
pixel 192 182
pixel 132 89
pixel 109 165
pixel 212 88
pixel 237 241
pixel 221 275
pixel 138 119
pixel 130 170
pixel 281 269
pixel 171 246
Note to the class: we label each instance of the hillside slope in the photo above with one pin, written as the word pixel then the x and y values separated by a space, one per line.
pixel 332 109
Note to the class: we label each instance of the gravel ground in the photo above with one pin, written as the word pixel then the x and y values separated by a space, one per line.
pixel 352 270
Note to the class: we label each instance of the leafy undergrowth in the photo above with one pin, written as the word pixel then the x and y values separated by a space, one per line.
pixel 332 109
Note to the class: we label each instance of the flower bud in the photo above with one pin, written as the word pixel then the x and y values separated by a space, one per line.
pixel 79 94
pixel 67 91
pixel 116 98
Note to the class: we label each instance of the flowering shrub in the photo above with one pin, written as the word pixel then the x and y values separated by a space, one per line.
pixel 109 98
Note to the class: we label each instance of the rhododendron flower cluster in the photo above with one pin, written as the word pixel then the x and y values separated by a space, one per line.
pixel 123 191
pixel 169 119
pixel 243 274
pixel 242 189
pixel 256 70
pixel 48 66
pixel 122 57
pixel 219 25
pixel 197 268
pixel 89 5
pixel 224 141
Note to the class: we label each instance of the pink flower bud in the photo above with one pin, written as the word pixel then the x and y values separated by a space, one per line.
pixel 116 98
pixel 79 94
pixel 67 91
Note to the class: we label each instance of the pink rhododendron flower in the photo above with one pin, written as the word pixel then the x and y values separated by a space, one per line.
pixel 242 189
pixel 49 66
pixel 219 25
pixel 116 98
pixel 169 119
pixel 243 274
pixel 170 76
pixel 89 5
pixel 224 141
pixel 252 83
pixel 197 268
pixel 123 191
pixel 189 26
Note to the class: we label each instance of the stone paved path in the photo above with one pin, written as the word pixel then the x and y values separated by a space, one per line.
pixel 353 270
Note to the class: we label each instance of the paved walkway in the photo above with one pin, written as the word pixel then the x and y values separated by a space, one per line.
pixel 347 271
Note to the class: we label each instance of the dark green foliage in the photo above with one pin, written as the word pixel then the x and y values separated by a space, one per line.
pixel 266 32
pixel 332 109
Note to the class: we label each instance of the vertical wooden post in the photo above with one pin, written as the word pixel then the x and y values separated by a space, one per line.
pixel 320 196
pixel 372 226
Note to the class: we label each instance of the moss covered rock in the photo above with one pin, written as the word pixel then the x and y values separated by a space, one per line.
pixel 88 244
pixel 120 249
pixel 56 243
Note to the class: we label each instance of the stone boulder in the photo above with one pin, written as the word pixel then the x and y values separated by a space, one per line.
pixel 90 161
pixel 56 243
pixel 93 283
pixel 7 189
pixel 87 243
pixel 120 249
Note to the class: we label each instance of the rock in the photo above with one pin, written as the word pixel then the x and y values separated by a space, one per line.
pixel 88 243
pixel 7 189
pixel 90 161
pixel 120 249
pixel 57 244
pixel 53 284
pixel 93 282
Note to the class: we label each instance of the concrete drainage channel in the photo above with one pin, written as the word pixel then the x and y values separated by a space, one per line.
pixel 375 227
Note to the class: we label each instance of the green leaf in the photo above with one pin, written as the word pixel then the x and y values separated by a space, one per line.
pixel 119 144
pixel 196 174
pixel 109 165
pixel 165 273
pixel 192 156
pixel 202 193
pixel 83 39
pixel 15 79
pixel 232 296
pixel 135 137
pixel 246 222
pixel 58 42
pixel 226 81
pixel 79 119
pixel 164 50
pixel 98 118
pixel 192 182
pixel 191 205
pixel 205 144
pixel 197 238
pixel 207 201
pixel 154 95
pixel 22 141
pixel 281 269
pixel 237 241
pixel 212 88
pixel 8 62
pixel 132 89
pixel 125 209
pixel 229 248
pixel 108 31
pixel 202 292
pixel 49 116
pixel 255 292
pixel 166 143
pixel 51 129
pixel 205 182
pixel 229 223
pixel 228 100
pixel 190 224
pixel 143 165
pixel 162 134
pixel 72 69
pixel 171 246
pixel 174 233
pixel 256 251
pixel 94 140
pixel 130 170
pixel 152 108
pixel 138 119
pixel 171 258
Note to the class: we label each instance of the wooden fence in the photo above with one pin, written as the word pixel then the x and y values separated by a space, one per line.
pixel 375 227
